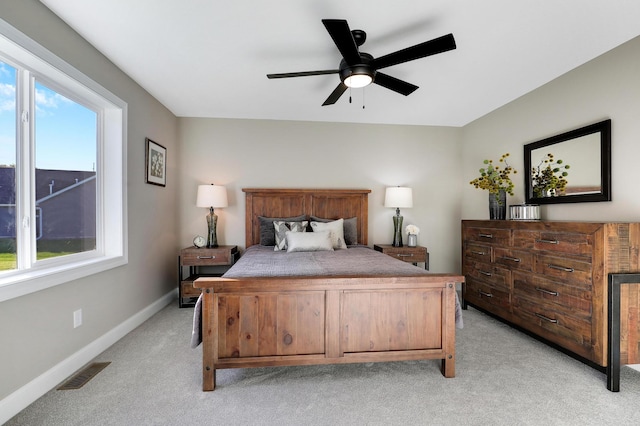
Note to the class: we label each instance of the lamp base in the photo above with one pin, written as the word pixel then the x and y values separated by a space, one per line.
pixel 212 223
pixel 397 229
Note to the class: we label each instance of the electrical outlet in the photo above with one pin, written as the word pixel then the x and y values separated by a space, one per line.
pixel 77 318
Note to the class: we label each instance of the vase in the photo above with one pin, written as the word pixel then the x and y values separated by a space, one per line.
pixel 498 205
pixel 412 240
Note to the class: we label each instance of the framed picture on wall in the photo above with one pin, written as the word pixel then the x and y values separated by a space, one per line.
pixel 156 159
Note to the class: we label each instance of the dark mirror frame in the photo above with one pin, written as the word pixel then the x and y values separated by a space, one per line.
pixel 604 129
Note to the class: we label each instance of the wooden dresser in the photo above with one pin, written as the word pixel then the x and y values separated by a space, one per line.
pixel 550 278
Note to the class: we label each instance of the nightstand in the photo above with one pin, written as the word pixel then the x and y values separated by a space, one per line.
pixel 413 255
pixel 219 258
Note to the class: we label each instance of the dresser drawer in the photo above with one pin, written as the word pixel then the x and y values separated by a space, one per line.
pixel 566 269
pixel 488 235
pixel 571 300
pixel 552 324
pixel 488 273
pixel 487 296
pixel 562 242
pixel 478 252
pixel 514 259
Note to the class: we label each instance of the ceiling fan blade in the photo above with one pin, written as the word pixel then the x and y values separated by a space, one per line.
pixel 394 84
pixel 301 74
pixel 428 48
pixel 341 34
pixel 335 95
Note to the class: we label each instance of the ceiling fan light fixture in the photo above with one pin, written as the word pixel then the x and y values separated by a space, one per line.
pixel 356 81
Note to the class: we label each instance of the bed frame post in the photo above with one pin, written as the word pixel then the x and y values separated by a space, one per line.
pixel 210 342
pixel 448 364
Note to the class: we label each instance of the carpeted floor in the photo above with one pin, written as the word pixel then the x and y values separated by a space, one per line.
pixel 503 377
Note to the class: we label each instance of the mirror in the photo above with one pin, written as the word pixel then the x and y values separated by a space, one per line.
pixel 572 167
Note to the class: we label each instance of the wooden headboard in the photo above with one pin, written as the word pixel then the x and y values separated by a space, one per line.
pixel 325 203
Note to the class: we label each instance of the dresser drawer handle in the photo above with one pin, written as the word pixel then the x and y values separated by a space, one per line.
pixel 559 268
pixel 547 241
pixel 513 259
pixel 479 253
pixel 404 255
pixel 488 274
pixel 482 293
pixel 551 293
pixel 555 321
pixel 206 257
pixel 485 235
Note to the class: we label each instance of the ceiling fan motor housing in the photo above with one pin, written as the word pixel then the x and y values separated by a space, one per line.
pixel 363 68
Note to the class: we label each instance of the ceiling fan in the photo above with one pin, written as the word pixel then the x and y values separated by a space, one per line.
pixel 358 69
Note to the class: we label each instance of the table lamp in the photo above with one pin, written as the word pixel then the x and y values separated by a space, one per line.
pixel 212 196
pixel 397 197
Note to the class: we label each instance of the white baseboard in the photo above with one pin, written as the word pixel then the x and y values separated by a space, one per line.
pixel 26 395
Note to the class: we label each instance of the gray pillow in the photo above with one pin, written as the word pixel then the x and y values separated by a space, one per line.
pixel 350 229
pixel 267 232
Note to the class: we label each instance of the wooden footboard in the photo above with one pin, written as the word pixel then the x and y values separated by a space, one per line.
pixel 258 322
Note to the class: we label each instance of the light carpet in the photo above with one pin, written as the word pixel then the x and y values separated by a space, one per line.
pixel 503 377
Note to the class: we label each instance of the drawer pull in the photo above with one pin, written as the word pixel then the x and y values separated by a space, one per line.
pixel 551 293
pixel 559 268
pixel 485 235
pixel 512 259
pixel 555 321
pixel 206 257
pixel 482 293
pixel 487 274
pixel 404 255
pixel 547 241
pixel 479 253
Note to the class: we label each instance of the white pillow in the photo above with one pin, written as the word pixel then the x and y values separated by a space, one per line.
pixel 337 232
pixel 281 228
pixel 309 241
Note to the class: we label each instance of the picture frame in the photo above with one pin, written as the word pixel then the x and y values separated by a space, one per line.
pixel 156 163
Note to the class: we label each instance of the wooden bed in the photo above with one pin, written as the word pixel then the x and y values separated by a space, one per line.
pixel 281 321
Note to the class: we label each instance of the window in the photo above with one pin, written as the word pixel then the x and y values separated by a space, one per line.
pixel 62 170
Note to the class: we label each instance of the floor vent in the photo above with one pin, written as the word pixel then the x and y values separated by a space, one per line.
pixel 81 378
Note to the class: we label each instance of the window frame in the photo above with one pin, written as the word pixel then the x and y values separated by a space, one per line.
pixel 111 166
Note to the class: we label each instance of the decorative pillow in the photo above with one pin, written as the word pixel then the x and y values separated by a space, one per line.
pixel 267 233
pixel 350 229
pixel 281 228
pixel 337 232
pixel 309 241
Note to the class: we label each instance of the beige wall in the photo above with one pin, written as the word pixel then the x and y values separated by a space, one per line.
pixel 606 87
pixel 36 330
pixel 288 154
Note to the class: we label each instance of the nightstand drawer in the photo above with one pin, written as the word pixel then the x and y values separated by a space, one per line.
pixel 417 254
pixel 206 256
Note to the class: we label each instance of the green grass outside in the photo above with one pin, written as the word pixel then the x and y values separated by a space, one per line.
pixel 8 260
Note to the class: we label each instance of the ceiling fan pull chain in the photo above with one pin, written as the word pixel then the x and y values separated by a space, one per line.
pixel 363 97
pixel 349 94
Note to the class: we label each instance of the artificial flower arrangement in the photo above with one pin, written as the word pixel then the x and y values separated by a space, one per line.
pixel 412 230
pixel 549 178
pixel 494 178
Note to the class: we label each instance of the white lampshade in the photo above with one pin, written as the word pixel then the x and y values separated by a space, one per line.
pixel 212 196
pixel 398 197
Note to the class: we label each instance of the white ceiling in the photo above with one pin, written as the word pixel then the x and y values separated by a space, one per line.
pixel 206 58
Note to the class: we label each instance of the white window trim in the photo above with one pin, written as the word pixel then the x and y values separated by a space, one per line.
pixel 112 167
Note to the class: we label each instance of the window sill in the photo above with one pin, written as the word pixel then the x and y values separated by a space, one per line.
pixel 32 281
